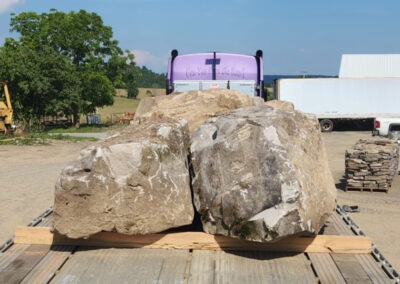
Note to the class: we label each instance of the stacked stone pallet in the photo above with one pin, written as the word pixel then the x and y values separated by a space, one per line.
pixel 372 163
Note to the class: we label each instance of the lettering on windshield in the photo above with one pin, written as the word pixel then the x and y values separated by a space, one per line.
pixel 206 72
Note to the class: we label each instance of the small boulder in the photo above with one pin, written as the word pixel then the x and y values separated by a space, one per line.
pixel 134 182
pixel 261 174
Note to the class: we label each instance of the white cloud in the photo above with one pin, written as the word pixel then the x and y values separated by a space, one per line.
pixel 6 5
pixel 145 58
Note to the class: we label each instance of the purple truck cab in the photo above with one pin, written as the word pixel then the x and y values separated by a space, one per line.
pixel 200 71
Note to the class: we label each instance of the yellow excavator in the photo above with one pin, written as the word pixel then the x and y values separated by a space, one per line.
pixel 6 111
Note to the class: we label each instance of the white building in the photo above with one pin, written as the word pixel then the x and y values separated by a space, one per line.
pixel 370 66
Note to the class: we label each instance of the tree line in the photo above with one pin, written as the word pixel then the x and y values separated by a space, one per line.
pixel 150 79
pixel 64 64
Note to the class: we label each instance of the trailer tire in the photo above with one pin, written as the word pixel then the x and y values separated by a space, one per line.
pixel 326 125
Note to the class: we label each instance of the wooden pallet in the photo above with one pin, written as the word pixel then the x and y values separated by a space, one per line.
pixel 368 189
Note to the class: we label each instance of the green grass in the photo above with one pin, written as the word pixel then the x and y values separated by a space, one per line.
pixel 40 139
pixel 83 129
pixel 121 105
pixel 150 92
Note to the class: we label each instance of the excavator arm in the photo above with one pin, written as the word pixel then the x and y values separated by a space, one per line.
pixel 6 111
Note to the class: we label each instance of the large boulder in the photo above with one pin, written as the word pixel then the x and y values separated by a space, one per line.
pixel 134 182
pixel 261 174
pixel 278 104
pixel 194 106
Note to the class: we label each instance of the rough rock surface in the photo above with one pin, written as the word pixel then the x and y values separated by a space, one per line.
pixel 261 174
pixel 134 182
pixel 194 106
pixel 372 163
pixel 277 104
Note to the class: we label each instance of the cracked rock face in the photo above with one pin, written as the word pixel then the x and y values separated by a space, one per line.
pixel 194 106
pixel 261 174
pixel 134 182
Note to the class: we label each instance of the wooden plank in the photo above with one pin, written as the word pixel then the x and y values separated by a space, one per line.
pixel 368 189
pixel 340 226
pixel 325 268
pixel 329 228
pixel 9 255
pixel 202 267
pixel 119 265
pixel 198 240
pixel 46 222
pixel 24 263
pixel 367 262
pixel 351 269
pixel 373 269
pixel 249 267
pixel 45 270
pixel 174 266
pixel 323 264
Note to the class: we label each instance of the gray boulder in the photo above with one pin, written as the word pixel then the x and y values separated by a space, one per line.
pixel 261 174
pixel 134 182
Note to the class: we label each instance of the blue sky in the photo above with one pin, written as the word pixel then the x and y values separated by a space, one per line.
pixel 296 36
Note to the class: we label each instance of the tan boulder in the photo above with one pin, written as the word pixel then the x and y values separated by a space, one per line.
pixel 134 182
pixel 276 104
pixel 194 106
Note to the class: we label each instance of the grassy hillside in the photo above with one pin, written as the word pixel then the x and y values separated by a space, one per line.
pixel 150 92
pixel 121 105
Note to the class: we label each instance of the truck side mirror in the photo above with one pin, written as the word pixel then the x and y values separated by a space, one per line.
pixel 174 53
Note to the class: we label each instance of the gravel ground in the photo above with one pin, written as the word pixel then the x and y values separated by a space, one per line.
pixel 380 212
pixel 27 178
pixel 28 175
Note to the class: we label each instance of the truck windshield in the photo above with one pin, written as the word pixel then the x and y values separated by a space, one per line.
pixel 200 71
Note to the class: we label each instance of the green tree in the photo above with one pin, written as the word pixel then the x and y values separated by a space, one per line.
pixel 41 82
pixel 131 75
pixel 124 73
pixel 95 61
pixel 150 79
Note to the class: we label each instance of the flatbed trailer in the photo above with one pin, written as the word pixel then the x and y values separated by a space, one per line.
pixel 21 263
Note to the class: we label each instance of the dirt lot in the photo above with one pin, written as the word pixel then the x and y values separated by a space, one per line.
pixel 28 175
pixel 27 178
pixel 380 212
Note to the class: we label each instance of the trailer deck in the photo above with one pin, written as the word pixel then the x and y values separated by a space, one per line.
pixel 77 264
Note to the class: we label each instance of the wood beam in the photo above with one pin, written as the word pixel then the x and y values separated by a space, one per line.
pixel 198 241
